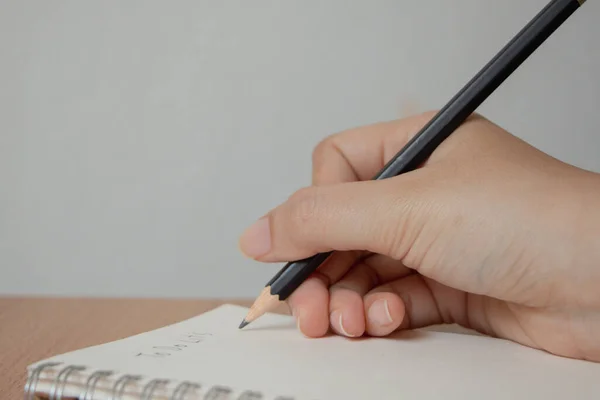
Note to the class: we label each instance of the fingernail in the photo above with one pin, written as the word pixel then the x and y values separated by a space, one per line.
pixel 256 240
pixel 379 313
pixel 297 317
pixel 337 318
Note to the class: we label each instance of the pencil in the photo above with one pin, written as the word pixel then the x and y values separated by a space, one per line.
pixel 417 150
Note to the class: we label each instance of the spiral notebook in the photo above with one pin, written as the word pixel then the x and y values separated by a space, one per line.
pixel 207 357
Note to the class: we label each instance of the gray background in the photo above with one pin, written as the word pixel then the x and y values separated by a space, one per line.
pixel 138 139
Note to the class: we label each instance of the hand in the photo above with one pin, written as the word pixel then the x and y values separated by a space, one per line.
pixel 489 233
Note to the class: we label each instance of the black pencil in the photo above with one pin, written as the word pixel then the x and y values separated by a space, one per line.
pixel 450 117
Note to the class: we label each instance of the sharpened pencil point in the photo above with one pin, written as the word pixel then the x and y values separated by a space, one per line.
pixel 263 303
pixel 243 324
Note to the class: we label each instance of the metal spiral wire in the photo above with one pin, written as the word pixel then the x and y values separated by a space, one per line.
pixel 33 379
pixel 117 390
pixel 90 385
pixel 251 395
pixel 58 386
pixel 183 389
pixel 150 387
pixel 218 393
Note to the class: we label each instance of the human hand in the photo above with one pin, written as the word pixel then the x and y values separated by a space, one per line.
pixel 489 233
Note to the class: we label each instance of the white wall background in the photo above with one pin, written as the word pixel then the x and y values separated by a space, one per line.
pixel 138 139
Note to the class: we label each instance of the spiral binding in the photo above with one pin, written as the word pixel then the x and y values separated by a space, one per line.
pixel 118 388
pixel 61 380
pixel 32 382
pixel 90 385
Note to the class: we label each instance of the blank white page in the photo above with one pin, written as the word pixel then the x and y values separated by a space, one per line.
pixel 270 356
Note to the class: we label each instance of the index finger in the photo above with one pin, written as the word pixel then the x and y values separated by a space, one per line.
pixel 358 154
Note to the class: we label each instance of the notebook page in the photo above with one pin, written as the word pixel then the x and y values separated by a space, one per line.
pixel 272 357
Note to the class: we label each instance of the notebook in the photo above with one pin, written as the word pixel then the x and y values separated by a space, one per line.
pixel 207 357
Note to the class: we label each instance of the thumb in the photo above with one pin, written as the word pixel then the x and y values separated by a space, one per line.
pixel 367 215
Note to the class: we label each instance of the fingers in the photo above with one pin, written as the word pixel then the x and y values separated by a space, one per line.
pixel 353 155
pixel 346 310
pixel 358 154
pixel 306 301
pixel 336 266
pixel 386 268
pixel 413 302
pixel 334 212
pixel 351 216
pixel 346 315
pixel 384 313
pixel 309 306
pixel 352 307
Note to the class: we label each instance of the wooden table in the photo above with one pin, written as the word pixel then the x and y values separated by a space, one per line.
pixel 35 329
pixel 32 329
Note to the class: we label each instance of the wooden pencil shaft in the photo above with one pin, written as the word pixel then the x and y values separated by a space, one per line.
pixel 263 302
pixel 447 120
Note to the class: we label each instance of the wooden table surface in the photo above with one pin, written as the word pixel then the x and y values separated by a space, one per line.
pixel 35 329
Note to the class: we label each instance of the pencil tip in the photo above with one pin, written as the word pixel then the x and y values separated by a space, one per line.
pixel 243 324
pixel 263 303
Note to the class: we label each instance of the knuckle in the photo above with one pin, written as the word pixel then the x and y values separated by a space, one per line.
pixel 428 115
pixel 321 147
pixel 403 225
pixel 393 239
pixel 476 116
pixel 321 151
pixel 424 117
pixel 304 206
pixel 408 127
